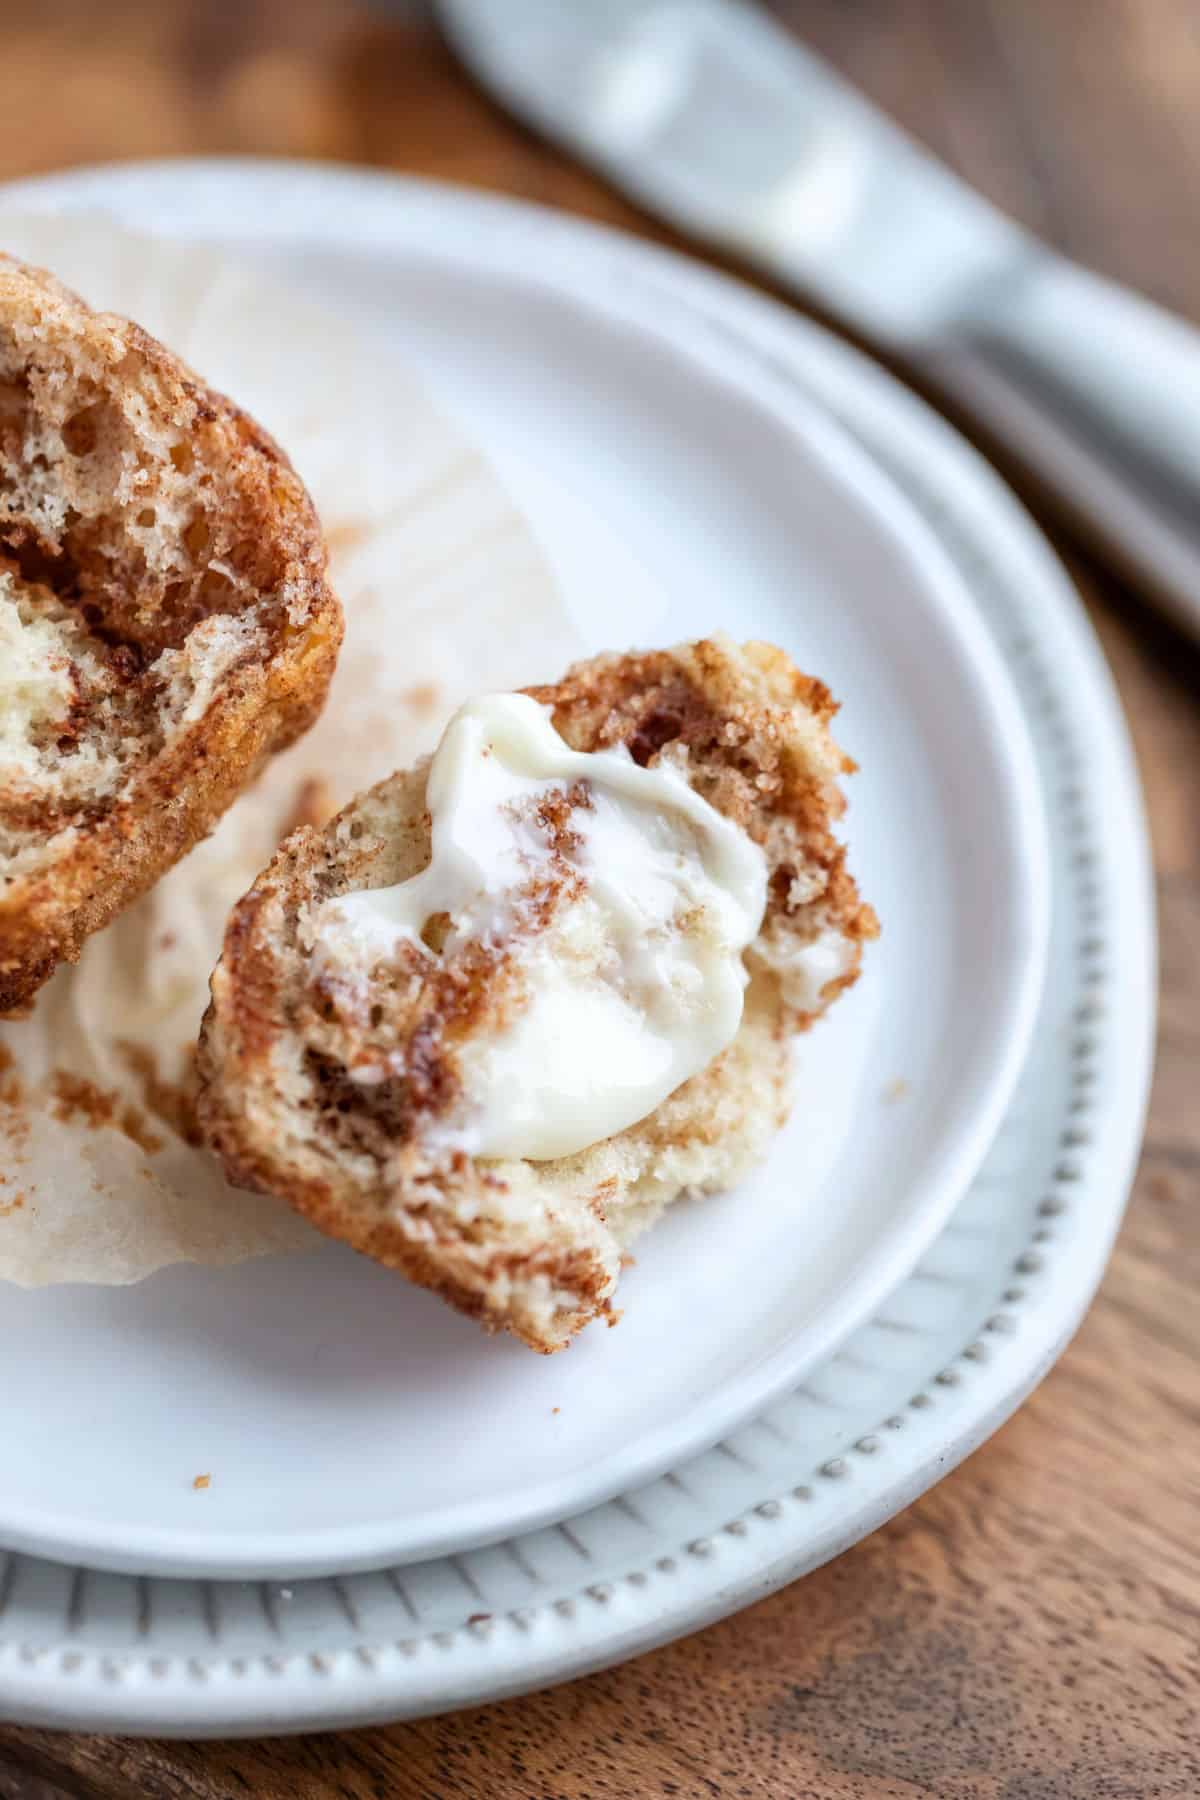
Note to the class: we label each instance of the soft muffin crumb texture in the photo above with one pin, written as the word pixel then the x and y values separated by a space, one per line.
pixel 329 1096
pixel 165 621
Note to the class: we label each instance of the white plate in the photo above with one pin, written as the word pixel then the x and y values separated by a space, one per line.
pixel 349 1419
pixel 346 1418
pixel 957 1344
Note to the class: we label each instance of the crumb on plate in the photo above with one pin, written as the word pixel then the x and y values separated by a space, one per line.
pixel 423 697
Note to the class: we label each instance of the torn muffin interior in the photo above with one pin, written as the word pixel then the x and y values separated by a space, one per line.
pixel 53 676
pixel 112 559
pixel 79 712
pixel 510 1004
pixel 117 490
pixel 157 555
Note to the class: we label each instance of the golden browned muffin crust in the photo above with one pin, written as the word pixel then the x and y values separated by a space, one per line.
pixel 165 619
pixel 297 1096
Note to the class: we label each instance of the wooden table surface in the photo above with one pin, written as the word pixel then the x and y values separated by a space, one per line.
pixel 1031 1629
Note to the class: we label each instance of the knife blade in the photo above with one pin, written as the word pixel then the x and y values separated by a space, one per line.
pixel 709 114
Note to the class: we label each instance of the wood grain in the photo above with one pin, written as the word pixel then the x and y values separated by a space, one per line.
pixel 1031 1629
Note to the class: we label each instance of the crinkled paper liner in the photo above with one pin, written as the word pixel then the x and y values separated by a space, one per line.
pixel 445 595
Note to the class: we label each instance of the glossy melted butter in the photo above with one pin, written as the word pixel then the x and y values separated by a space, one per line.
pixel 634 984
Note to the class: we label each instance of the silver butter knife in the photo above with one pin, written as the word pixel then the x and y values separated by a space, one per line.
pixel 712 116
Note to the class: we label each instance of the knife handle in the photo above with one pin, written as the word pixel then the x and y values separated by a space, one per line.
pixel 1098 392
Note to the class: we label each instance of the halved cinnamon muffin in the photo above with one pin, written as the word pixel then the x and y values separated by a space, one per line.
pixel 165 619
pixel 489 1049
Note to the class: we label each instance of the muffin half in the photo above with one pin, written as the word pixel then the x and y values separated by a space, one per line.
pixel 418 1022
pixel 165 618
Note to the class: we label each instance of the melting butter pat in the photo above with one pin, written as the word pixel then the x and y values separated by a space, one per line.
pixel 632 983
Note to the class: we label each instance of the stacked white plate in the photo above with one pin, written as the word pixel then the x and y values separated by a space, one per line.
pixel 406 1517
